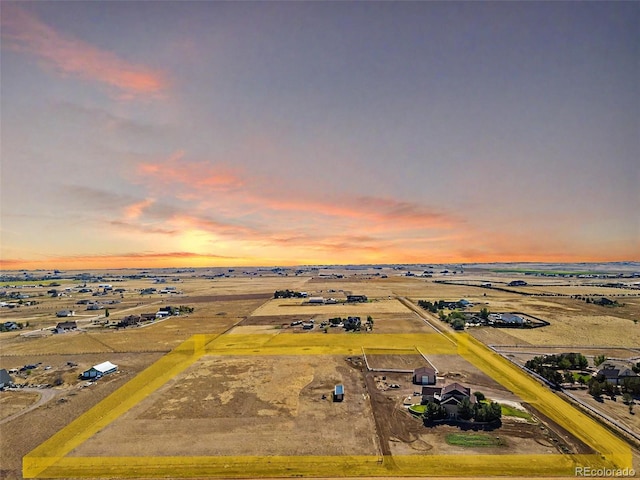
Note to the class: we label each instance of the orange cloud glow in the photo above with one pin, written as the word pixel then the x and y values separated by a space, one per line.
pixel 135 210
pixel 24 32
pixel 197 176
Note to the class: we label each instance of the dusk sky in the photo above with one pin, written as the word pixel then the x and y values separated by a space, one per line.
pixel 144 134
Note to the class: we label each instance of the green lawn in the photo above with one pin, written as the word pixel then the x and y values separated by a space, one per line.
pixel 474 440
pixel 417 409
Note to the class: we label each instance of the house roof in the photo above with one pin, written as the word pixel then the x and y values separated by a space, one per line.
pixel 424 370
pixel 456 387
pixel 105 367
pixel 69 324
pixel 431 390
pixel 511 318
pixel 5 377
pixel 339 390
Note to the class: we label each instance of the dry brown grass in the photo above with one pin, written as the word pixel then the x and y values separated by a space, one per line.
pixel 13 402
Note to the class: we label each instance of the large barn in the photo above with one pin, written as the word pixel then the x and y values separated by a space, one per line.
pixel 100 370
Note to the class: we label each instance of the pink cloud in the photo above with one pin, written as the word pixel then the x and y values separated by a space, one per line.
pixel 134 210
pixel 24 32
pixel 197 177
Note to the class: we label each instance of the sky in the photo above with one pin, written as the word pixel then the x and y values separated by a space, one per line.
pixel 175 134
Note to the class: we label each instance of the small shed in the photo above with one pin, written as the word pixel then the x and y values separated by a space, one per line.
pixel 424 376
pixel 338 393
pixel 100 370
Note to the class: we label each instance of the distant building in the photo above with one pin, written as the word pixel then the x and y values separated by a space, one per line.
pixel 65 313
pixel 5 378
pixel 63 327
pixel 511 319
pixel 517 283
pixel 352 323
pixel 356 298
pixel 616 374
pixel 316 299
pixel 100 370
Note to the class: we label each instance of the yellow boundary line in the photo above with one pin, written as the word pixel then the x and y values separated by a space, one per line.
pixel 50 460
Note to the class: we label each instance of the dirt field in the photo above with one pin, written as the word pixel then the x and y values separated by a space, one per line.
pixel 13 402
pixel 224 302
pixel 297 306
pixel 247 406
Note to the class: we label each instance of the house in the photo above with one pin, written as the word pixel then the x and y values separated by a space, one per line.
pixel 130 321
pixel 616 374
pixel 5 378
pixel 147 317
pixel 63 327
pixel 338 393
pixel 100 370
pixel 352 323
pixel 95 306
pixel 424 376
pixel 517 283
pixel 452 395
pixel 449 396
pixel 65 313
pixel 356 298
pixel 316 299
pixel 511 319
pixel 11 326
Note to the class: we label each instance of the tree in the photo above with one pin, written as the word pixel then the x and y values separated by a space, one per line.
pixel 106 313
pixel 484 313
pixel 568 377
pixel 595 389
pixel 599 360
pixel 479 396
pixel 434 411
pixel 465 409
pixel 458 324
pixel 564 364
pixel 627 398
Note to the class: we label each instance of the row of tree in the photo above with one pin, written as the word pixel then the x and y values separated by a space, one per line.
pixel 550 366
pixel 287 294
pixel 478 412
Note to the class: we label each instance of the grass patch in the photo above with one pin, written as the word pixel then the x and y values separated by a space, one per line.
pixel 508 411
pixel 417 409
pixel 585 376
pixel 474 440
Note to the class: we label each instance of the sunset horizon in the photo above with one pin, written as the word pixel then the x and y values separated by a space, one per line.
pixel 215 134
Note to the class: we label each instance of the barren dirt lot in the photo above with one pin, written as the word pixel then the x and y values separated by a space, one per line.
pixel 13 402
pixel 22 434
pixel 247 406
pixel 298 306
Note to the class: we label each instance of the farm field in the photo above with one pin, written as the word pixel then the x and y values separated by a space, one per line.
pixel 301 307
pixel 246 406
pixel 242 364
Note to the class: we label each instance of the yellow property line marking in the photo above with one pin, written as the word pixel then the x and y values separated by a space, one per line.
pixel 49 460
pixel 319 466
